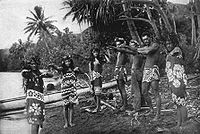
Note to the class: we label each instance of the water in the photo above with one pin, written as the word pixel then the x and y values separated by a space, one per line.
pixel 10 85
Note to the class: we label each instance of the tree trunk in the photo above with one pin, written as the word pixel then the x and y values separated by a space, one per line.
pixel 131 25
pixel 152 21
pixel 193 41
pixel 197 6
pixel 163 15
pixel 174 23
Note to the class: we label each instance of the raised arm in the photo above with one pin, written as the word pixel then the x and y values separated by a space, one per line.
pixel 130 50
pixel 149 49
pixel 59 69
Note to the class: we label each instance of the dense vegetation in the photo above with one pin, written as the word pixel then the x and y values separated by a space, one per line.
pixel 53 44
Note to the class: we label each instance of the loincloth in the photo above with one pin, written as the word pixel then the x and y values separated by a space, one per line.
pixel 121 74
pixel 151 74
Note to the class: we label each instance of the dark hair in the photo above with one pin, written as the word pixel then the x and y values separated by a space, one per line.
pixel 146 34
pixel 92 58
pixel 95 49
pixel 71 65
pixel 175 41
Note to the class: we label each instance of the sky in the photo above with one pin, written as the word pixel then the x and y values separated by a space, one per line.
pixel 13 15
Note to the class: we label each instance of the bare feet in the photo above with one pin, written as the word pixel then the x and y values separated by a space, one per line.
pixel 72 124
pixel 66 125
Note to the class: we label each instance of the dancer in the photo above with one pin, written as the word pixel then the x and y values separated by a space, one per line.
pixel 69 95
pixel 95 69
pixel 34 87
pixel 177 79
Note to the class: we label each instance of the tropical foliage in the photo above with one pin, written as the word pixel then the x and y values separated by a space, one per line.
pixel 39 25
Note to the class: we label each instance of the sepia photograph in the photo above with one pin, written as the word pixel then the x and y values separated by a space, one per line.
pixel 100 67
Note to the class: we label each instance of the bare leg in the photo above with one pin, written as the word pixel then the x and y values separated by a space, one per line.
pixel 136 90
pixel 65 113
pixel 145 92
pixel 155 87
pixel 71 110
pixel 123 94
pixel 184 114
pixel 179 119
pixel 119 88
pixel 34 129
pixel 97 104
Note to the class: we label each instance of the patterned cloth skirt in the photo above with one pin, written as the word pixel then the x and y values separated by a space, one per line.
pixel 96 82
pixel 69 95
pixel 151 74
pixel 35 107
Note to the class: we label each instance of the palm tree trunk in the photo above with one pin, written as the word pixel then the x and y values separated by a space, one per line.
pixel 45 42
pixel 197 7
pixel 81 33
pixel 152 21
pixel 193 41
pixel 131 25
pixel 174 23
pixel 164 16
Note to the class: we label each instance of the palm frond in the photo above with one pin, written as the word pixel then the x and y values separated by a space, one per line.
pixel 34 15
pixel 29 18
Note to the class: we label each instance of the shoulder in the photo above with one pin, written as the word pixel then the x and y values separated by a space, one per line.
pixel 155 44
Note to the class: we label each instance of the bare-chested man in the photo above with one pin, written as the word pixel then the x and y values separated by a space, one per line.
pixel 136 76
pixel 120 70
pixel 151 74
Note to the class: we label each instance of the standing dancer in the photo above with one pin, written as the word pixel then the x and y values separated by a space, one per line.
pixel 68 89
pixel 95 69
pixel 34 87
pixel 177 80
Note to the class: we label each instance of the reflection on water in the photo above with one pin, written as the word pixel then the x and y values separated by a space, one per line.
pixel 14 124
pixel 10 85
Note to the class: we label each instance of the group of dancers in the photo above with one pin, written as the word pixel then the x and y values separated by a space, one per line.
pixel 145 70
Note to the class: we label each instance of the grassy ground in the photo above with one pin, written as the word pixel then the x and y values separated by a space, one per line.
pixel 111 122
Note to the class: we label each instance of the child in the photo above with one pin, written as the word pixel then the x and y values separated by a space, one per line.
pixel 68 89
pixel 177 80
pixel 95 70
pixel 33 85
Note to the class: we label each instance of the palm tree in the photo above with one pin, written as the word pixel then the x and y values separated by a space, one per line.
pixel 39 25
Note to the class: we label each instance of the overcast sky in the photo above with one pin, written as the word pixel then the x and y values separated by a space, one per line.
pixel 13 15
